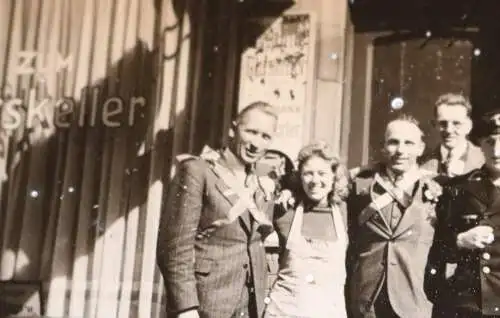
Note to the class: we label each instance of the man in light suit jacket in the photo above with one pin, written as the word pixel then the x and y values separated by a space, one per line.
pixel 455 156
pixel 391 226
pixel 217 212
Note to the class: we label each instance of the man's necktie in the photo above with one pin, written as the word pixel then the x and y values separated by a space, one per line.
pixel 402 196
pixel 446 164
pixel 251 181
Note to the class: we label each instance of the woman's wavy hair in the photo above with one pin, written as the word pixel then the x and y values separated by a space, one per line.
pixel 341 183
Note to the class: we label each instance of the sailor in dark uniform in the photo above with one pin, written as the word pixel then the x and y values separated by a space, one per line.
pixel 469 233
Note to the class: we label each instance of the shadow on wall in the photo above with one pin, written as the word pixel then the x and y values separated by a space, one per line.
pixel 66 187
pixel 75 201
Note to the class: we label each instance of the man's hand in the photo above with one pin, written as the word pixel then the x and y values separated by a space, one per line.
pixel 189 314
pixel 476 238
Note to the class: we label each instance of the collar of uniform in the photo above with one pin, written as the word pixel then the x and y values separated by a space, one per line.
pixel 458 152
pixel 393 178
pixel 231 161
pixel 494 178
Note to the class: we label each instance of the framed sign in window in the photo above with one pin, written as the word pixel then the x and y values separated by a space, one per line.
pixel 277 66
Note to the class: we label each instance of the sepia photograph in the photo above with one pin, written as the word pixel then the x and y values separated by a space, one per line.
pixel 250 158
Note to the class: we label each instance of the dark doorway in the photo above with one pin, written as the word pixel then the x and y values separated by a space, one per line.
pixel 409 73
pixel 417 50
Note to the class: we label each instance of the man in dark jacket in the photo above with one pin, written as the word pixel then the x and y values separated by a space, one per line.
pixel 392 215
pixel 210 250
pixel 469 233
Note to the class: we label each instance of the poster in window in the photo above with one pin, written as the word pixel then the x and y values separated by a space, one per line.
pixel 277 67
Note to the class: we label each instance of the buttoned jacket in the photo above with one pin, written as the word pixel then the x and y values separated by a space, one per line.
pixel 468 201
pixel 379 254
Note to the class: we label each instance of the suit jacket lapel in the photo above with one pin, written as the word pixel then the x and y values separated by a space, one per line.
pixel 259 209
pixel 473 157
pixel 373 216
pixel 413 211
pixel 378 225
pixel 231 196
pixel 246 222
pixel 467 159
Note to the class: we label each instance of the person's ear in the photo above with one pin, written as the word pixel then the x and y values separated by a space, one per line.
pixel 468 126
pixel 382 148
pixel 421 148
pixel 232 129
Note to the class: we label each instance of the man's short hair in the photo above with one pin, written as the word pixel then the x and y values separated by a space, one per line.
pixel 453 99
pixel 490 124
pixel 408 119
pixel 264 107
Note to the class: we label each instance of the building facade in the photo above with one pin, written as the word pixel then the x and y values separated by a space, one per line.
pixel 98 97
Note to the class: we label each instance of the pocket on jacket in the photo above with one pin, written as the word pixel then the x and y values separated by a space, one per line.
pixel 203 266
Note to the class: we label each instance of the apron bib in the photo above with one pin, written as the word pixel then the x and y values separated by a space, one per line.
pixel 311 279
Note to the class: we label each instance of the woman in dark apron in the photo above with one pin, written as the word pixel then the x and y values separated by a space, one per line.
pixel 313 238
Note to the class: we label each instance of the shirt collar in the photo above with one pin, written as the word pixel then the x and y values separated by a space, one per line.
pixel 458 152
pixel 392 176
pixel 493 178
pixel 231 161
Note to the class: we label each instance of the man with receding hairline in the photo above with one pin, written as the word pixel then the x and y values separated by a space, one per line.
pixel 216 215
pixel 455 155
pixel 391 226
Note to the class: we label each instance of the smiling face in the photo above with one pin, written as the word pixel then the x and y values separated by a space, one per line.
pixel 317 179
pixel 403 145
pixel 253 135
pixel 453 124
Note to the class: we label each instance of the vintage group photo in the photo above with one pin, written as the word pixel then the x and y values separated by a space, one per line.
pixel 250 158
